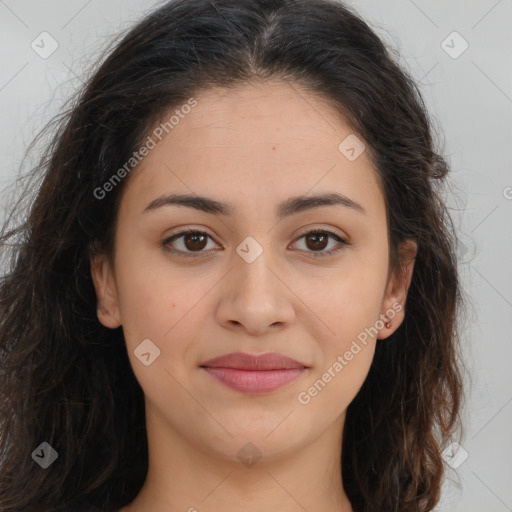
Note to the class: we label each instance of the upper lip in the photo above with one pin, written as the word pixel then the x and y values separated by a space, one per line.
pixel 244 361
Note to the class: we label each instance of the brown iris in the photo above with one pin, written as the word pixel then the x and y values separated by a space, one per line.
pixel 319 241
pixel 195 241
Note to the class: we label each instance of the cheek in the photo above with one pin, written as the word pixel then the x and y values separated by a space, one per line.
pixel 153 294
pixel 157 319
pixel 347 298
pixel 332 389
pixel 350 308
pixel 348 302
pixel 161 302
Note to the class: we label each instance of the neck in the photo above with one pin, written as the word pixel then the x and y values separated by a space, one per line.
pixel 182 477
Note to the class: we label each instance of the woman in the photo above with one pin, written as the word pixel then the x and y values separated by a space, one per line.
pixel 236 286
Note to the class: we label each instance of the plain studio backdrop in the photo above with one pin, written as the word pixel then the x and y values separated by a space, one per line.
pixel 459 52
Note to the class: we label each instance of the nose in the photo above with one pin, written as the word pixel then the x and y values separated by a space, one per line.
pixel 255 298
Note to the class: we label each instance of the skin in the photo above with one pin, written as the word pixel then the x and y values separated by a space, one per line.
pixel 254 147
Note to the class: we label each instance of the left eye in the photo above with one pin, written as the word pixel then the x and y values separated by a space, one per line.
pixel 317 241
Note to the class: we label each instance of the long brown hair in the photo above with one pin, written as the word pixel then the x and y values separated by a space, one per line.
pixel 66 380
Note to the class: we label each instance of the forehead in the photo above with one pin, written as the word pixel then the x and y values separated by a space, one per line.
pixel 268 139
pixel 271 111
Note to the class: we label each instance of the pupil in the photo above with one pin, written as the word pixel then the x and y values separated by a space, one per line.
pixel 195 241
pixel 315 237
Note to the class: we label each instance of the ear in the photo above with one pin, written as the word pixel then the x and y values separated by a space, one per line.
pixel 106 292
pixel 393 304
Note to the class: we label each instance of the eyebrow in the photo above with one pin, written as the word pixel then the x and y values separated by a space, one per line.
pixel 289 207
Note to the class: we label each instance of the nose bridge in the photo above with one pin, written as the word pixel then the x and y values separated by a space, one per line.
pixel 254 296
pixel 253 274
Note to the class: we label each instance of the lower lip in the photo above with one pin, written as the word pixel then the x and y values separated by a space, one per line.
pixel 253 381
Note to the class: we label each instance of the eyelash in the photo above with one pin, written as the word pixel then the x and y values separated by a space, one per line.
pixel 198 254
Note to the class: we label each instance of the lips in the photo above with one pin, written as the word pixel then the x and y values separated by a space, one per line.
pixel 254 374
pixel 243 361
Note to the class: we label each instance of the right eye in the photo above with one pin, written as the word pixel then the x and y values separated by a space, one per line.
pixel 187 243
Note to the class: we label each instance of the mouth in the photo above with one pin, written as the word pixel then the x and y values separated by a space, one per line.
pixel 254 374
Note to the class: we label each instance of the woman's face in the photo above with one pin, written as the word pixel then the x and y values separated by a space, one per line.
pixel 250 279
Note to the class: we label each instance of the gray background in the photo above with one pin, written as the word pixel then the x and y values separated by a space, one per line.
pixel 470 100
